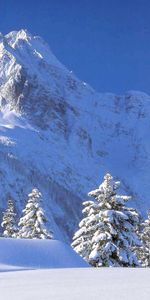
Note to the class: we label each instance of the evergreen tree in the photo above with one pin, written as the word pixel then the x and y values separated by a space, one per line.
pixel 107 234
pixel 144 251
pixel 83 237
pixel 32 224
pixel 8 222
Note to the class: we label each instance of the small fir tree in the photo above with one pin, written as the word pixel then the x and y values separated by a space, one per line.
pixel 107 234
pixel 32 224
pixel 8 222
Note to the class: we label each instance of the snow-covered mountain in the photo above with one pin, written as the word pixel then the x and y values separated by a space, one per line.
pixel 59 135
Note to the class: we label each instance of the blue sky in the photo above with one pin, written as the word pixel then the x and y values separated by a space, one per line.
pixel 105 42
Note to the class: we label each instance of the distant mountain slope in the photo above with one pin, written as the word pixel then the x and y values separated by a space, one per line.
pixel 61 136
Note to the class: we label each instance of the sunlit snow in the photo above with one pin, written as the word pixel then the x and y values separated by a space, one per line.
pixel 76 284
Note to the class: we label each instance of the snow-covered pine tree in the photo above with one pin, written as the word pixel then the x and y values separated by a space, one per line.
pixel 8 221
pixel 144 251
pixel 111 228
pixel 32 224
pixel 83 237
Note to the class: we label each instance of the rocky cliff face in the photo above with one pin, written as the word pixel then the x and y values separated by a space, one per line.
pixel 61 136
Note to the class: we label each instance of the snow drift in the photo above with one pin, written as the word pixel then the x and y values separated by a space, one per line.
pixel 37 254
pixel 59 135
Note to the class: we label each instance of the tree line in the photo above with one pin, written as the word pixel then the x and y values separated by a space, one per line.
pixel 32 224
pixel 111 234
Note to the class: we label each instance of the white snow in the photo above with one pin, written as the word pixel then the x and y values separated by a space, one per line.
pixel 76 284
pixel 11 119
pixel 37 254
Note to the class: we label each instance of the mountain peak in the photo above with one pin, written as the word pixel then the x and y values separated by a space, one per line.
pixel 29 48
pixel 31 77
pixel 22 34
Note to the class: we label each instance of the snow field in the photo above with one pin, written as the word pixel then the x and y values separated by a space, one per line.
pixel 76 284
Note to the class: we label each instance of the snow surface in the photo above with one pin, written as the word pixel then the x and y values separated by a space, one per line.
pixel 18 254
pixel 76 284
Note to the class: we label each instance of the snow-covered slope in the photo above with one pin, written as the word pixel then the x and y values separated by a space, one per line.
pixel 19 254
pixel 61 136
pixel 77 284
